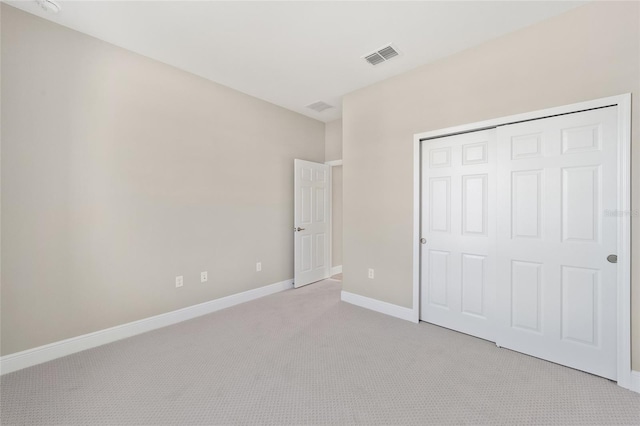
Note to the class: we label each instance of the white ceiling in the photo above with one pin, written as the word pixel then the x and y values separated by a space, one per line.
pixel 295 53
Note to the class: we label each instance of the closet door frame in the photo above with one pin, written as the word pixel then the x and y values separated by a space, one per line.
pixel 623 104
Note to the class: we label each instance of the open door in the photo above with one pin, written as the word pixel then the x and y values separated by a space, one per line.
pixel 311 222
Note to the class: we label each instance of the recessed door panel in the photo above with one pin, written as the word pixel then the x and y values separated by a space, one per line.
pixel 581 139
pixel 440 157
pixel 526 292
pixel 474 153
pixel 526 146
pixel 474 204
pixel 306 195
pixel 580 195
pixel 320 204
pixel 580 304
pixel 473 284
pixel 306 174
pixel 440 204
pixel 306 253
pixel 526 204
pixel 438 278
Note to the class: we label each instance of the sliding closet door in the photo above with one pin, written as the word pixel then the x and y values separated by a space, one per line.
pixel 459 231
pixel 556 293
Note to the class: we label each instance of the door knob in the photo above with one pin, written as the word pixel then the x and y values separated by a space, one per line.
pixel 423 241
pixel 612 258
pixel 299 229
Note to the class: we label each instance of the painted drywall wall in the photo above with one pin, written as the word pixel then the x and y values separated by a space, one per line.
pixel 588 53
pixel 333 151
pixel 120 173
pixel 333 140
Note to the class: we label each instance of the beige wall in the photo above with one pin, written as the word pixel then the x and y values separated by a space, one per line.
pixel 333 140
pixel 119 173
pixel 588 53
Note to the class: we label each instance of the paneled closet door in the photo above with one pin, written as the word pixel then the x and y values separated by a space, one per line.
pixel 458 224
pixel 556 292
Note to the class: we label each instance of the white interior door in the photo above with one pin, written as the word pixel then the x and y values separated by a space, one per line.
pixel 458 224
pixel 311 226
pixel 556 290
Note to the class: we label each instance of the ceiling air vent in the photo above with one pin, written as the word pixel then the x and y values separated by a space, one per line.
pixel 374 59
pixel 381 55
pixel 319 106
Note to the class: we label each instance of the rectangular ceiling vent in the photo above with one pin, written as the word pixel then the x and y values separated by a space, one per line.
pixel 319 106
pixel 381 55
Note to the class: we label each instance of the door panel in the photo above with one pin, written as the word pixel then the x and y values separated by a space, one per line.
pixel 311 214
pixel 458 261
pixel 556 178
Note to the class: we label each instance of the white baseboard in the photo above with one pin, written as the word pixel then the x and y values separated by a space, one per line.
pixel 635 381
pixel 30 357
pixel 379 306
pixel 336 270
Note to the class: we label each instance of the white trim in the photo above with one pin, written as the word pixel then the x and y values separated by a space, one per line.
pixel 635 381
pixel 330 221
pixel 378 306
pixel 30 357
pixel 624 241
pixel 416 230
pixel 623 102
pixel 332 163
pixel 533 115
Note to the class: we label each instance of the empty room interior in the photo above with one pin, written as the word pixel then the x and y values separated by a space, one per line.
pixel 320 212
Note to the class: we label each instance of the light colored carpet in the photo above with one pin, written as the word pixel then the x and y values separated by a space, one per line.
pixel 304 357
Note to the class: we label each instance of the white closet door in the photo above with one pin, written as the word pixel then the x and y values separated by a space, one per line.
pixel 458 223
pixel 556 293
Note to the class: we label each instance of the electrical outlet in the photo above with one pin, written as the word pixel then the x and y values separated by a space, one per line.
pixel 258 266
pixel 204 277
pixel 371 273
pixel 179 281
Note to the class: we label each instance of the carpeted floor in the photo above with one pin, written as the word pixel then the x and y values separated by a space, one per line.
pixel 304 357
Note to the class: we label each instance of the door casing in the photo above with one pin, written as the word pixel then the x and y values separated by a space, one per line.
pixel 623 102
